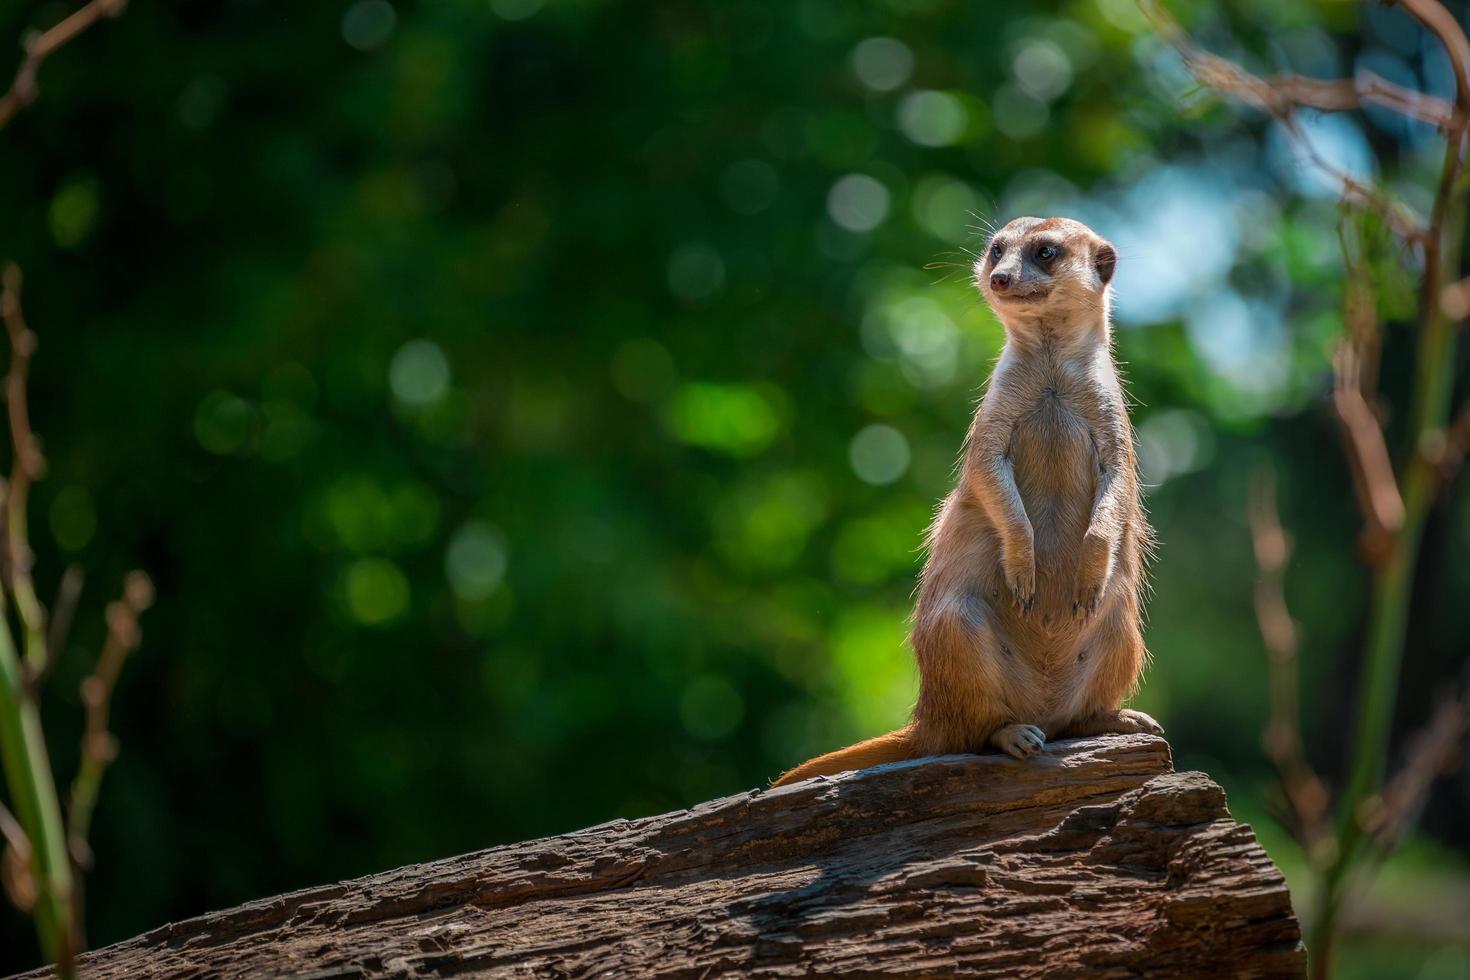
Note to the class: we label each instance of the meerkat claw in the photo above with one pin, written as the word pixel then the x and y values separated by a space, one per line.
pixel 1086 604
pixel 1140 721
pixel 1020 741
pixel 1022 597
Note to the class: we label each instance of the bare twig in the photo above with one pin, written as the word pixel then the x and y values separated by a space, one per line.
pixel 1284 92
pixel 16 878
pixel 99 747
pixel 1444 26
pixel 39 46
pixel 1281 96
pixel 1363 89
pixel 1373 479
pixel 28 465
pixel 1432 753
pixel 1355 369
pixel 68 592
pixel 12 832
pixel 1305 793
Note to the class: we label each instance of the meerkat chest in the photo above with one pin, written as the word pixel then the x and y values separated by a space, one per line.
pixel 1053 427
pixel 1053 450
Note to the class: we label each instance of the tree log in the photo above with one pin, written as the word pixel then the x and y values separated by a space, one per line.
pixel 1094 858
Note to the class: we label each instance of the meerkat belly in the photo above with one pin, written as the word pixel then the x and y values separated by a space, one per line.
pixel 1055 464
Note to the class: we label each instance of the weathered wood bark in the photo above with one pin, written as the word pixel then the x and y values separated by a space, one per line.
pixel 1094 859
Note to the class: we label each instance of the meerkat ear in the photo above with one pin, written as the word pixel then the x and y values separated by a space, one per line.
pixel 1106 261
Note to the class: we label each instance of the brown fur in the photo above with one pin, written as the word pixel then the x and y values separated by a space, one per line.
pixel 1029 619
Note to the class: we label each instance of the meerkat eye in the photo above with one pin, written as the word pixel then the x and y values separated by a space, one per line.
pixel 997 250
pixel 1046 253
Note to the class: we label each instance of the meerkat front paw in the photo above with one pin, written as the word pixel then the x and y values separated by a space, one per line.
pixel 1020 741
pixel 1086 598
pixel 1092 575
pixel 1131 722
pixel 1020 569
pixel 1023 590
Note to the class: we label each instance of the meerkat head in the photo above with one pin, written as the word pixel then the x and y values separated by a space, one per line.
pixel 1047 270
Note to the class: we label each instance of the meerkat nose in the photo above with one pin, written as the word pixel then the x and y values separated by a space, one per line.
pixel 1000 281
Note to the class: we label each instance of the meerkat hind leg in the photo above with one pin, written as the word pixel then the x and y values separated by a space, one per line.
pixel 1021 741
pixel 1119 721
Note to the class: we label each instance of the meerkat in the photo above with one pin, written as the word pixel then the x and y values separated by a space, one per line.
pixel 1028 624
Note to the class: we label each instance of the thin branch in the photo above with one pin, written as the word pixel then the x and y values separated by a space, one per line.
pixel 1438 21
pixel 1283 95
pixel 14 834
pixel 68 592
pixel 28 465
pixel 1374 482
pixel 1305 793
pixel 1284 92
pixel 22 347
pixel 1432 753
pixel 16 877
pixel 99 747
pixel 39 46
pixel 1355 369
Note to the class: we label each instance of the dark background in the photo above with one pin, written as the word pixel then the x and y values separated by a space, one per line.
pixel 529 413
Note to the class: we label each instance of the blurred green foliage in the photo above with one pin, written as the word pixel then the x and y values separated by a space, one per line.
pixel 530 412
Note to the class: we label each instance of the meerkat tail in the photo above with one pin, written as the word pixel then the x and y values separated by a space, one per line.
pixel 896 746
